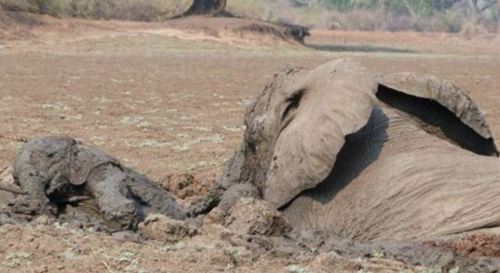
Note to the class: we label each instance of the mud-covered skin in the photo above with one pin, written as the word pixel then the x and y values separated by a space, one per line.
pixel 56 171
pixel 229 188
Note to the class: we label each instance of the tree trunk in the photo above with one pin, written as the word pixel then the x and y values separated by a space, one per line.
pixel 204 7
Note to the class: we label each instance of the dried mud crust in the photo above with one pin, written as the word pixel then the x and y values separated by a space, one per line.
pixel 214 249
pixel 429 254
pixel 478 245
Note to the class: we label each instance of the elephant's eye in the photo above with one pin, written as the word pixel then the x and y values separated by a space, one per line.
pixel 292 103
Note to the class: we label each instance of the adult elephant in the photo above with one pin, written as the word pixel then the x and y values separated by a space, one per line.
pixel 343 150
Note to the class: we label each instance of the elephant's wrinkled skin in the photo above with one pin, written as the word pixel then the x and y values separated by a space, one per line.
pixel 55 171
pixel 344 150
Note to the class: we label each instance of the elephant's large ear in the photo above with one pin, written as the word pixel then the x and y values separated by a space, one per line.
pixel 328 103
pixel 441 107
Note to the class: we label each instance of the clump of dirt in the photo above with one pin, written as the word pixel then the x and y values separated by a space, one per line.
pixel 256 217
pixel 7 181
pixel 8 192
pixel 185 185
pixel 162 228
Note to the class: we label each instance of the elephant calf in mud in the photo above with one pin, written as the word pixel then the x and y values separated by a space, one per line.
pixel 56 173
pixel 343 150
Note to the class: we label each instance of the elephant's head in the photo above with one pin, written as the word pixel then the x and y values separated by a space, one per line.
pixel 294 131
pixel 309 127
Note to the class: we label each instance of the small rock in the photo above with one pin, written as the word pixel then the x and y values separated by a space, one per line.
pixel 162 228
pixel 256 217
pixel 184 185
pixel 329 262
pixel 215 216
pixel 41 269
pixel 126 236
pixel 6 219
pixel 6 176
pixel 42 220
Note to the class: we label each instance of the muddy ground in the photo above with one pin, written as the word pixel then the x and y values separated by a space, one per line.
pixel 169 102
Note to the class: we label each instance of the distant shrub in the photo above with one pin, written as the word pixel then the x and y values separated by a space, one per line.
pixel 84 9
pixel 19 5
pixel 51 7
pixel 139 10
pixel 451 21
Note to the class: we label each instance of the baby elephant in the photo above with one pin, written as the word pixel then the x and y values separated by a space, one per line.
pixel 57 171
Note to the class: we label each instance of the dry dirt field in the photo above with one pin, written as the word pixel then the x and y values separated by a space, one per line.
pixel 167 101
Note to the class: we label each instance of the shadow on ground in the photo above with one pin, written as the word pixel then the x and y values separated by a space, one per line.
pixel 357 48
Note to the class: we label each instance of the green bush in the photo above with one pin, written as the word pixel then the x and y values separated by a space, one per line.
pixel 451 21
pixel 52 7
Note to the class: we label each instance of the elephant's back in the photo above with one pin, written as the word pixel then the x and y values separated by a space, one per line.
pixel 394 180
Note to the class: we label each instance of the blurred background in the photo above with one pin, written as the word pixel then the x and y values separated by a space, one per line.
pixel 457 16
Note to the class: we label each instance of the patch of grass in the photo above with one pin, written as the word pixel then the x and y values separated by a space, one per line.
pixel 378 254
pixel 357 48
pixel 186 146
pixel 70 254
pixel 173 247
pixel 153 143
pixel 234 256
pixel 13 260
pixel 127 255
pixel 436 269
pixel 297 269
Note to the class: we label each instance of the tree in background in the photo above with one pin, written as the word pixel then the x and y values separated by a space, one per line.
pixel 206 7
pixel 418 7
pixel 479 7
